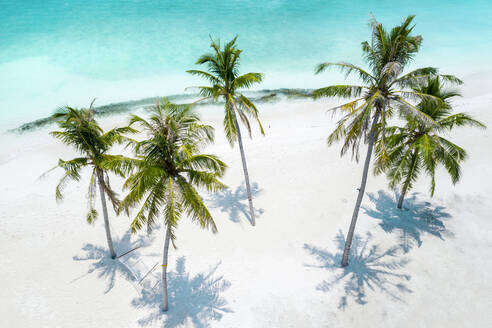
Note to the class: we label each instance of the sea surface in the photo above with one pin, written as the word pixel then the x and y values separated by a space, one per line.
pixel 54 53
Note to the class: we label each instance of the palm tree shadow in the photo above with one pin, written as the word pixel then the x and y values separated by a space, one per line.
pixel 235 203
pixel 106 267
pixel 196 299
pixel 368 268
pixel 411 222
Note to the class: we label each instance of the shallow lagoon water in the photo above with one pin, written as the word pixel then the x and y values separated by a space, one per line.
pixel 68 52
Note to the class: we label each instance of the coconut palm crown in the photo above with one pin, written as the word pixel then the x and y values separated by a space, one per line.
pixel 225 83
pixel 79 129
pixel 417 147
pixel 383 87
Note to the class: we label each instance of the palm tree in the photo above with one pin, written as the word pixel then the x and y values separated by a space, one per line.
pixel 80 131
pixel 380 90
pixel 223 75
pixel 166 172
pixel 418 147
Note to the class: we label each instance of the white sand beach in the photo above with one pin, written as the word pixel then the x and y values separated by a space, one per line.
pixel 426 266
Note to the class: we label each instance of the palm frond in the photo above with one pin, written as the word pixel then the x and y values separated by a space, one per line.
pixel 460 119
pixel 413 111
pixel 451 79
pixel 342 91
pixel 415 77
pixel 246 80
pixel 194 206
pixel 250 109
pixel 206 75
pixel 347 69
pixel 230 126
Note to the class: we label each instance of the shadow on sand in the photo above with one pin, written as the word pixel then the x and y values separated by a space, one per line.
pixel 415 219
pixel 107 268
pixel 194 299
pixel 369 268
pixel 235 203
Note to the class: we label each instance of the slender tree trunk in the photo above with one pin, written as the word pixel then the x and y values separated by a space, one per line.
pixel 405 186
pixel 246 175
pixel 100 178
pixel 350 234
pixel 165 305
pixel 402 197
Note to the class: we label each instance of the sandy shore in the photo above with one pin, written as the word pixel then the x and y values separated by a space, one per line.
pixel 428 266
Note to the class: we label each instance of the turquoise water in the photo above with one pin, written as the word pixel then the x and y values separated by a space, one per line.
pixel 68 52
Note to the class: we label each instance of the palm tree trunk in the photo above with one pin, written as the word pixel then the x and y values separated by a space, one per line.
pixel 350 234
pixel 402 197
pixel 246 175
pixel 100 178
pixel 165 304
pixel 405 186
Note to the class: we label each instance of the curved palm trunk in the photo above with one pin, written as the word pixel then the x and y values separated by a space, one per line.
pixel 165 304
pixel 246 175
pixel 105 214
pixel 350 234
pixel 405 186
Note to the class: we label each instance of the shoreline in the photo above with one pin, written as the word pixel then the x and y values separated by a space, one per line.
pixel 261 96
